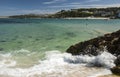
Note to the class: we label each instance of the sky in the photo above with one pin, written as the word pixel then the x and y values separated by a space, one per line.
pixel 17 7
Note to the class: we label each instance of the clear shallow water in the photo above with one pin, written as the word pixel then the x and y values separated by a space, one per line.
pixel 25 42
pixel 50 34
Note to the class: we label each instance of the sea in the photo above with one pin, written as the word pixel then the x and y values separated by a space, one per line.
pixel 37 47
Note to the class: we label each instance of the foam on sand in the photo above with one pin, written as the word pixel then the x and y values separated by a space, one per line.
pixel 57 64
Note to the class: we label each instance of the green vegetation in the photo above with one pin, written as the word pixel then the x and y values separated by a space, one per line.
pixel 29 16
pixel 112 12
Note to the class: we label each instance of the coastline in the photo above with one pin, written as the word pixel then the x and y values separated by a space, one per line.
pixel 4 16
pixel 87 18
pixel 102 18
pixel 109 76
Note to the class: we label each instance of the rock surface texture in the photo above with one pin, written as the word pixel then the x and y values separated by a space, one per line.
pixel 97 45
pixel 94 46
pixel 116 70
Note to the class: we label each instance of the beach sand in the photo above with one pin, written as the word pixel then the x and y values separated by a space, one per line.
pixel 109 76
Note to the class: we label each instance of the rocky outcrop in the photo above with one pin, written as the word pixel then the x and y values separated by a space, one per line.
pixel 116 70
pixel 117 61
pixel 95 46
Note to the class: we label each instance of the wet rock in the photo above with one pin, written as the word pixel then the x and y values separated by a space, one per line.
pixel 95 46
pixel 117 61
pixel 1 49
pixel 110 42
pixel 3 41
pixel 116 70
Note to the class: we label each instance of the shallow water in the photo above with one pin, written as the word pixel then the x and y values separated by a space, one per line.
pixel 50 34
pixel 26 47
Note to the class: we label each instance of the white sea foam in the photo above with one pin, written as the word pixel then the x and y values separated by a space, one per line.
pixel 22 51
pixel 6 55
pixel 105 72
pixel 5 60
pixel 104 60
pixel 57 64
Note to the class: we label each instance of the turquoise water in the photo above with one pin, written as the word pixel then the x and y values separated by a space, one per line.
pixel 50 34
pixel 36 47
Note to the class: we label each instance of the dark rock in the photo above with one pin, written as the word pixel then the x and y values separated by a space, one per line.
pixel 117 61
pixel 1 49
pixel 116 70
pixel 95 46
pixel 2 41
pixel 110 42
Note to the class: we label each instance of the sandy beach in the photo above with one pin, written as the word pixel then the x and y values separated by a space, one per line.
pixel 109 76
pixel 87 18
pixel 4 16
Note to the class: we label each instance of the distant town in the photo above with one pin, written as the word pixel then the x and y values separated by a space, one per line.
pixel 111 12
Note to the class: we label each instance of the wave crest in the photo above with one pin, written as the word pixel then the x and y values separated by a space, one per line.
pixel 57 64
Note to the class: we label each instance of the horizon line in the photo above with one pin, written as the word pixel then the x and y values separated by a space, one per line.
pixel 60 10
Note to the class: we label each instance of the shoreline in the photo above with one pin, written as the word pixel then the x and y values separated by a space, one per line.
pixel 87 18
pixel 4 17
pixel 59 18
pixel 112 75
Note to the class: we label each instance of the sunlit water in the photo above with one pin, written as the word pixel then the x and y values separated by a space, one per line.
pixel 36 47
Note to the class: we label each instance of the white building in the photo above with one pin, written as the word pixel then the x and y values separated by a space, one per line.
pixel 106 13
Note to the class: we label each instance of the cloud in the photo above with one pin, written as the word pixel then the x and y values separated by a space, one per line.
pixel 27 11
pixel 78 5
pixel 93 0
pixel 56 1
pixel 83 2
pixel 53 1
pixel 75 3
pixel 86 4
pixel 38 11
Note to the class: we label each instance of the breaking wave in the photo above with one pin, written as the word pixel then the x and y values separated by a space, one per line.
pixel 57 64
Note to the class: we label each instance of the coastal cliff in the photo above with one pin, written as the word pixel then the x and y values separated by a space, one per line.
pixel 94 47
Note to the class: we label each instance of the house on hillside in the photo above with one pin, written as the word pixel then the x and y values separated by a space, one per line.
pixel 104 14
pixel 98 12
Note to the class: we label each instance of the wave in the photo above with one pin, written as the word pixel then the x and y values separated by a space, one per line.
pixel 103 60
pixel 57 64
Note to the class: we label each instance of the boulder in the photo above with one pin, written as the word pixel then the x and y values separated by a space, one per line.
pixel 116 70
pixel 110 42
pixel 95 46
pixel 117 61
